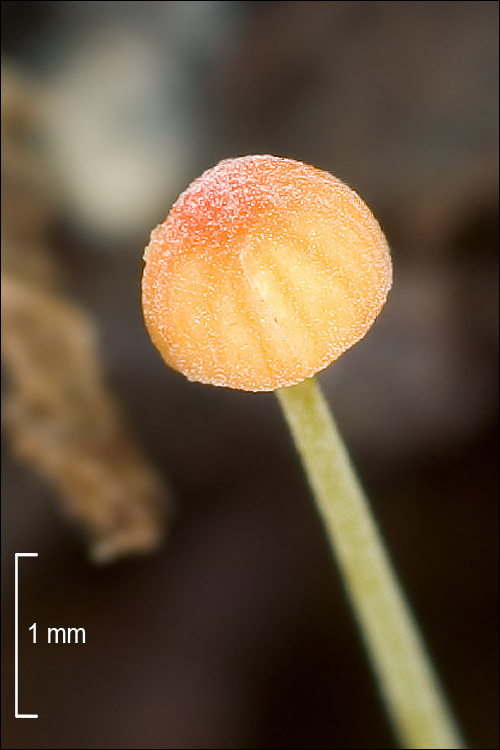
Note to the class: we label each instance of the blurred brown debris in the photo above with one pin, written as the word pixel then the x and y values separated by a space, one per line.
pixel 27 199
pixel 59 415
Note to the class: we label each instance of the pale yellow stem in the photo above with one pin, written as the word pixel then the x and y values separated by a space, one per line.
pixel 407 680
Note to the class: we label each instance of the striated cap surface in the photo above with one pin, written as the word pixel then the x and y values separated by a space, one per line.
pixel 264 272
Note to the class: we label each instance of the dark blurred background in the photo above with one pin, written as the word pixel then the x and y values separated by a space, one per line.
pixel 235 633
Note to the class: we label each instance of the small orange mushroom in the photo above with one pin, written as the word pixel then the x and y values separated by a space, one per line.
pixel 264 272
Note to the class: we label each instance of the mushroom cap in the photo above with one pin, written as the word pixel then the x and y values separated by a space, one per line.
pixel 264 272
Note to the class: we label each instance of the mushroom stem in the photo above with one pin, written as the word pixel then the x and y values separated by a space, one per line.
pixel 409 685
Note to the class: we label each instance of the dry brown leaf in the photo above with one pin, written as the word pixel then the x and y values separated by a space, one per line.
pixel 58 412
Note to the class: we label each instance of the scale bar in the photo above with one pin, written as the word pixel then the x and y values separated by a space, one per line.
pixel 16 648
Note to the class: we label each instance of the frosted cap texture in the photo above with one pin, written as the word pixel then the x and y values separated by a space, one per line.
pixel 264 272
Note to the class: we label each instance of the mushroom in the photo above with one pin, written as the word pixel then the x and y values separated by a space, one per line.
pixel 264 272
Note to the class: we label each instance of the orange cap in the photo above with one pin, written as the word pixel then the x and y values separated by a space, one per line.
pixel 264 272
